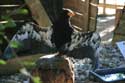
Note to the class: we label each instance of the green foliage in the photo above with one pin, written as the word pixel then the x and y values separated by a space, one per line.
pixel 2 62
pixel 22 11
pixel 1 33
pixel 2 27
pixel 5 17
pixel 15 44
pixel 29 63
pixel 10 23
pixel 1 41
pixel 36 79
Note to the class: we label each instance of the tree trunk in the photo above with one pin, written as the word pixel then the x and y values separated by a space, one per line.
pixel 38 12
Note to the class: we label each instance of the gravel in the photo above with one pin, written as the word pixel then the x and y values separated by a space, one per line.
pixel 109 57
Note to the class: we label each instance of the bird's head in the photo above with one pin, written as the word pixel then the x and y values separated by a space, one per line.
pixel 68 12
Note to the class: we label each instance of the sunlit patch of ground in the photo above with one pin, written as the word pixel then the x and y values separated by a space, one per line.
pixel 105 27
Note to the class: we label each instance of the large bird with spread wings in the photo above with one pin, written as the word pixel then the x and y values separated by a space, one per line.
pixel 61 37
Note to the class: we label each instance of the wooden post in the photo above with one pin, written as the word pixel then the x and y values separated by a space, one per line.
pixel 54 69
pixel 38 12
pixel 88 14
pixel 104 8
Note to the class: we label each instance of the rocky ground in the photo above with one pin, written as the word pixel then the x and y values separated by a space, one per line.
pixel 109 57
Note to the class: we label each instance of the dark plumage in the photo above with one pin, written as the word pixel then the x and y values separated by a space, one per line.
pixel 53 8
pixel 62 30
pixel 66 38
pixel 73 43
pixel 60 37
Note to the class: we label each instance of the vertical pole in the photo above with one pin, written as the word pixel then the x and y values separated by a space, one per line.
pixel 88 14
pixel 104 7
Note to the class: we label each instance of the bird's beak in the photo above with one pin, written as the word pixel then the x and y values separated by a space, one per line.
pixel 71 14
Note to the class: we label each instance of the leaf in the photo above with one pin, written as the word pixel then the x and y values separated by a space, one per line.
pixel 10 23
pixel 2 33
pixel 15 44
pixel 1 37
pixel 5 17
pixel 1 40
pixel 2 27
pixel 23 11
pixel 28 63
pixel 2 62
pixel 36 79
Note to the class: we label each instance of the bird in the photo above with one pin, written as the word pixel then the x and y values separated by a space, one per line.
pixel 74 43
pixel 66 37
pixel 48 40
pixel 62 30
pixel 61 37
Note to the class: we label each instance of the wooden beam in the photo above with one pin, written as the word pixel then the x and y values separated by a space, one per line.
pixel 112 6
pixel 38 12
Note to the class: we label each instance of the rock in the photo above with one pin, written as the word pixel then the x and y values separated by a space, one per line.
pixel 54 69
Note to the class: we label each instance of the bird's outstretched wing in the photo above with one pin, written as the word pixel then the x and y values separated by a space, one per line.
pixel 83 45
pixel 32 40
pixel 81 39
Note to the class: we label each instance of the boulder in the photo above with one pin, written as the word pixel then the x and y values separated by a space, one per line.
pixel 54 69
